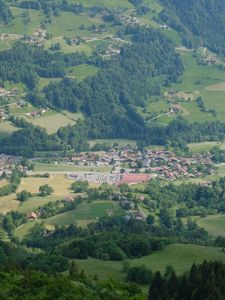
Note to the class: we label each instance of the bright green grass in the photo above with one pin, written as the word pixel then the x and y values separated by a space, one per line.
pixel 17 26
pixel 67 24
pixel 11 85
pixel 82 71
pixel 194 72
pixel 22 231
pixel 43 82
pixel 156 107
pixel 51 122
pixel 180 256
pixel 105 3
pixel 42 167
pixel 87 48
pixel 215 100
pixel 215 225
pixel 121 142
pixel 84 211
pixel 33 203
pixel 173 35
pixel 194 114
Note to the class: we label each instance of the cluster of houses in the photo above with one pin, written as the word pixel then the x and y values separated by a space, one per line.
pixel 8 93
pixel 3 115
pixel 37 39
pixel 162 163
pixel 128 20
pixel 132 209
pixel 8 162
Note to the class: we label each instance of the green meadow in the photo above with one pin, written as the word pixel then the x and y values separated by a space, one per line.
pixel 215 224
pixel 82 71
pixel 88 212
pixel 105 3
pixel 205 146
pixel 180 256
pixel 18 26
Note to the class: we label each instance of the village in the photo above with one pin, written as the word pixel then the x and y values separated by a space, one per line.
pixel 160 163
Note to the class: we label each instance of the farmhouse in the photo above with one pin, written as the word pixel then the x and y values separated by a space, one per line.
pixel 32 216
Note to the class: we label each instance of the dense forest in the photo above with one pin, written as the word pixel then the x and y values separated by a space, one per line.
pixel 38 276
pixel 205 281
pixel 5 13
pixel 200 22
pixel 24 63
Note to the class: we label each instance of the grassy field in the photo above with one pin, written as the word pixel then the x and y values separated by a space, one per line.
pixel 215 225
pixel 67 24
pixel 82 71
pixel 33 203
pixel 105 3
pixel 22 230
pixel 87 48
pixel 42 167
pixel 50 121
pixel 85 212
pixel 217 87
pixel 205 146
pixel 8 203
pixel 205 81
pixel 18 26
pixel 59 182
pixel 6 128
pixel 180 256
pixel 43 82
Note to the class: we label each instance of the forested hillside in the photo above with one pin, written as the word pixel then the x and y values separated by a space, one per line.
pixel 108 98
pixel 5 13
pixel 205 19
pixel 119 65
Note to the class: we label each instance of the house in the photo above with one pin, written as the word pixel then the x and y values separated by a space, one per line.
pixel 32 216
pixel 35 114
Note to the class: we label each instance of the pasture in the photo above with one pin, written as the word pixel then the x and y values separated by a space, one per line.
pixel 8 203
pixel 180 256
pixel 50 121
pixel 105 3
pixel 82 71
pixel 33 203
pixel 215 224
pixel 68 24
pixel 18 26
pixel 205 146
pixel 85 212
pixel 6 128
pixel 216 87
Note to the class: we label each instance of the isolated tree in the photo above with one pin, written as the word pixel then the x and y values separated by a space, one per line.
pixel 45 190
pixel 79 186
pixel 23 195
